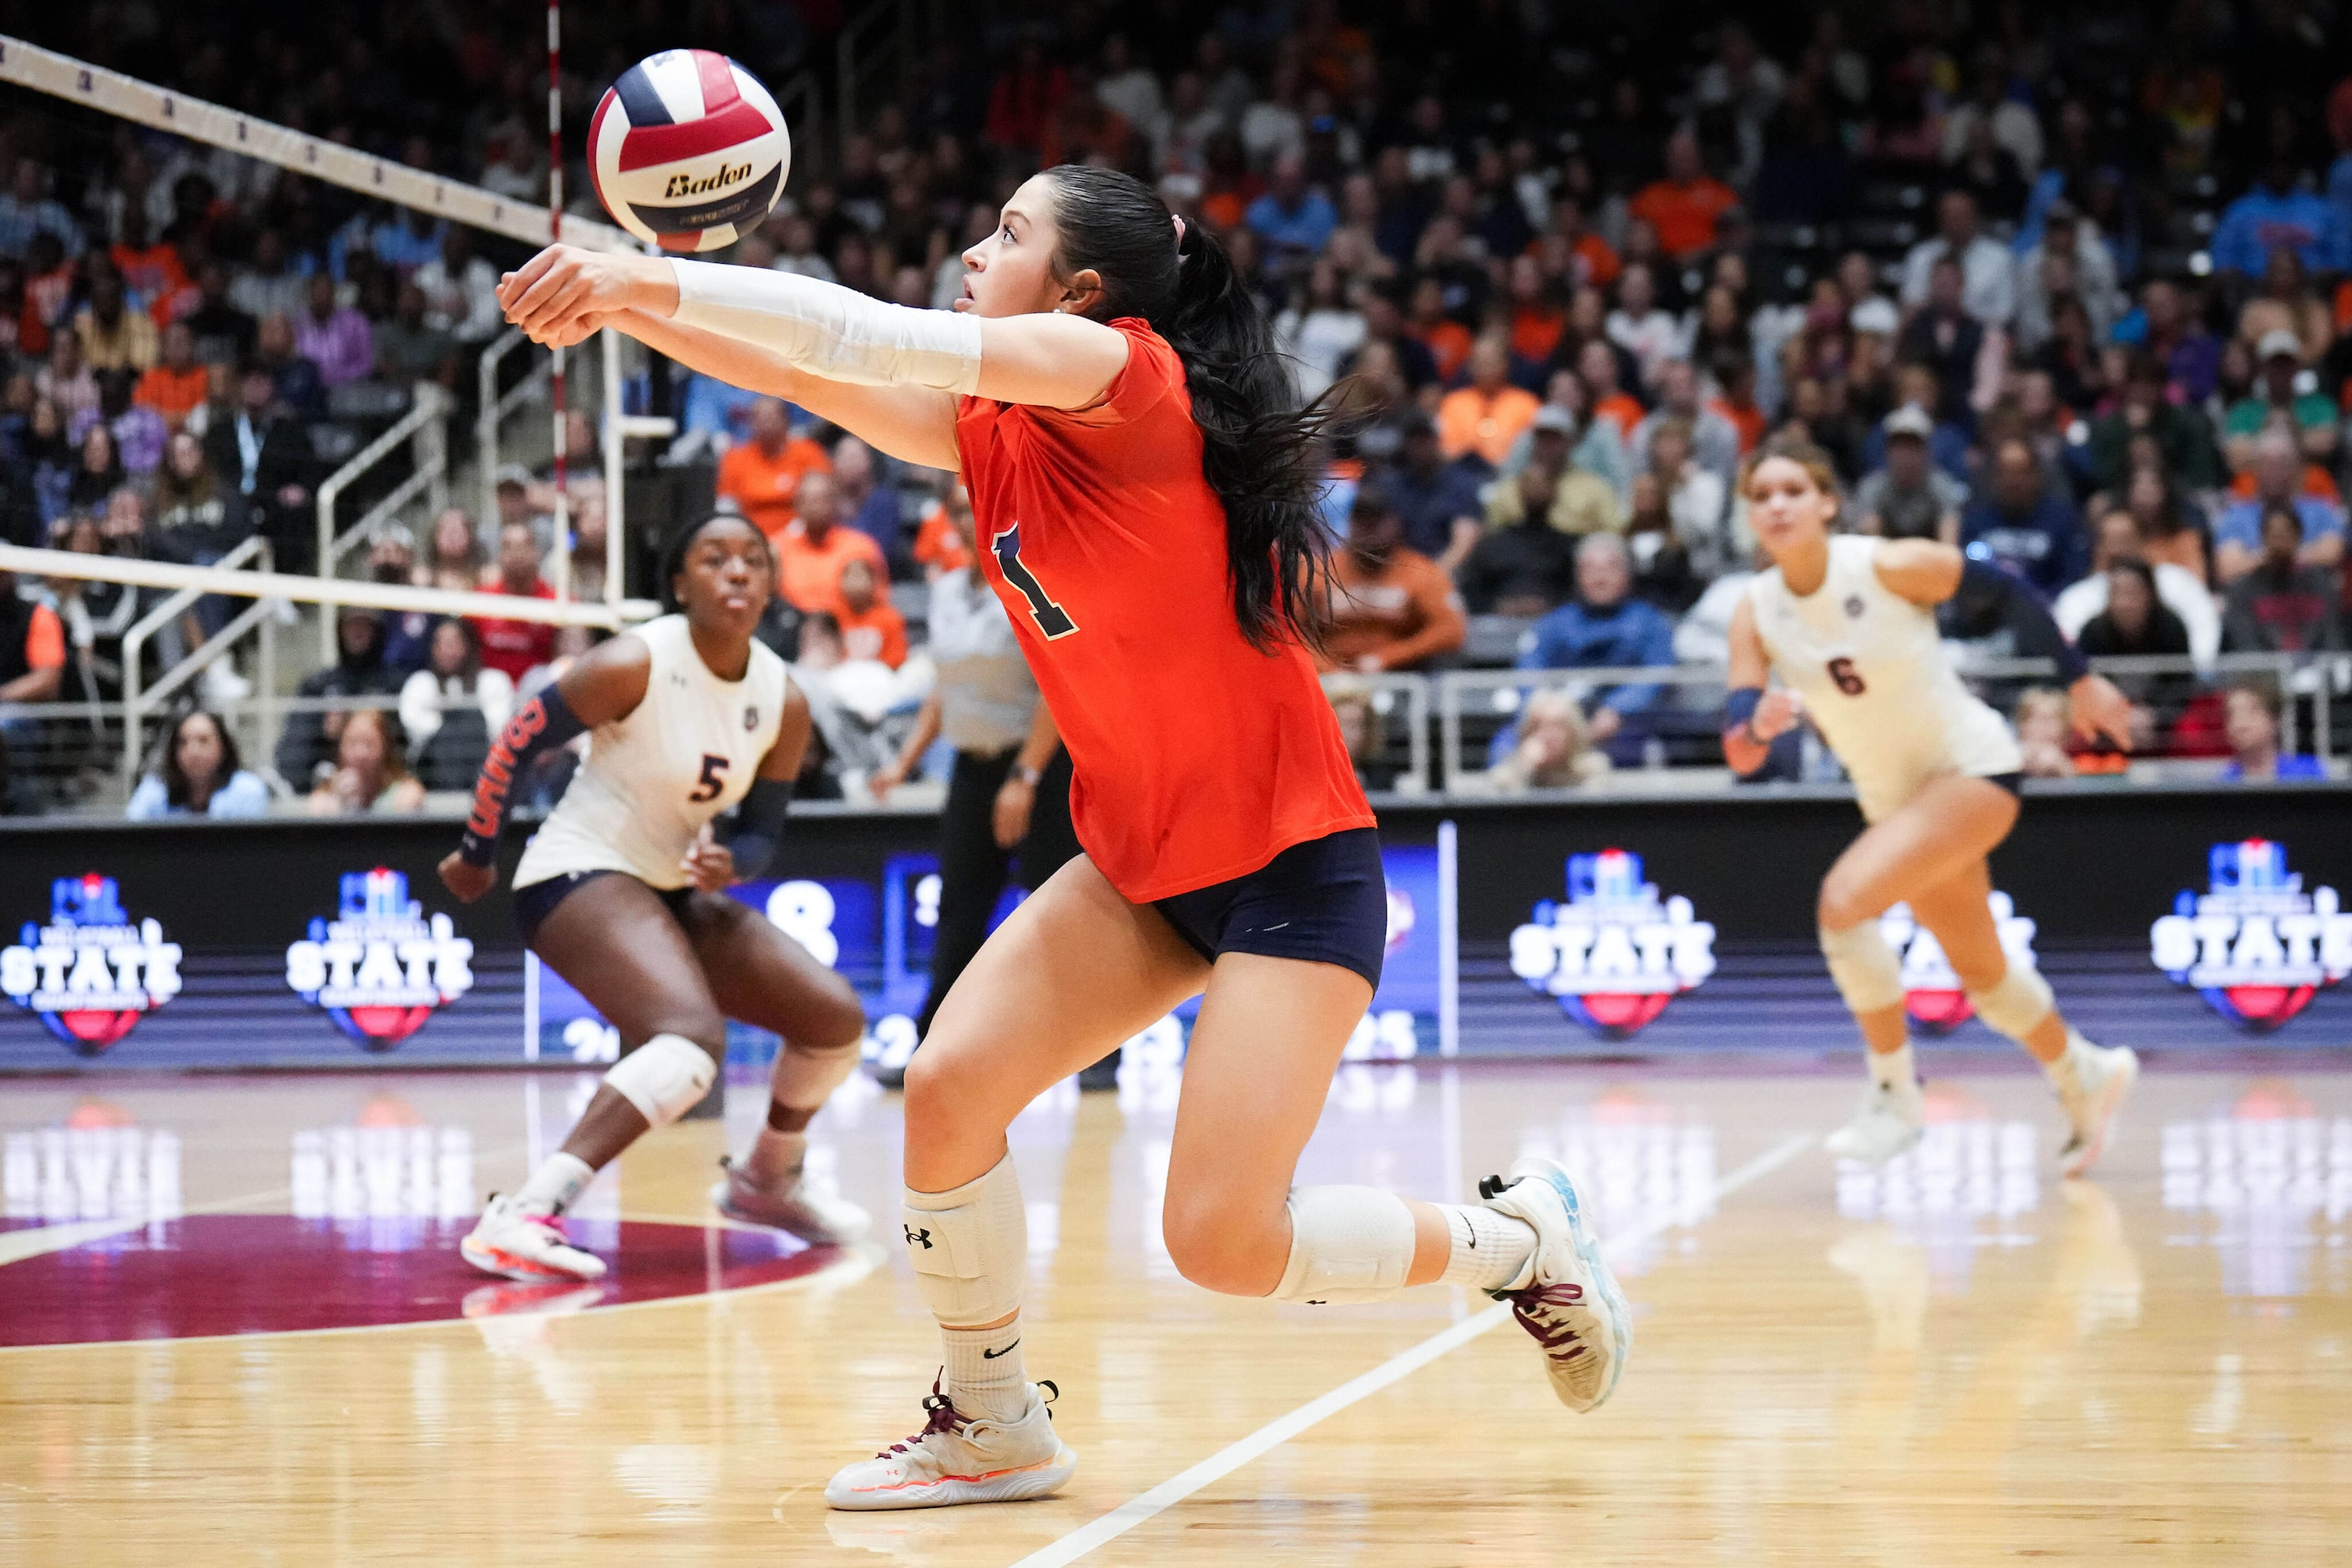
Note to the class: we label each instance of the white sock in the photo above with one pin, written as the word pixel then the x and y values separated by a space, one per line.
pixel 1490 1250
pixel 2066 1073
pixel 1896 1072
pixel 775 1157
pixel 554 1184
pixel 985 1375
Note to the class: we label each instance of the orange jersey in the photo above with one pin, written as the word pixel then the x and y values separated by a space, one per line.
pixel 762 487
pixel 879 631
pixel 937 544
pixel 1196 758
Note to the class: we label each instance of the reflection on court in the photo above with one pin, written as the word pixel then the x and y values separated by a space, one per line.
pixel 1834 1364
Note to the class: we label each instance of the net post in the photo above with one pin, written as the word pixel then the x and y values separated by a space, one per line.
pixel 615 459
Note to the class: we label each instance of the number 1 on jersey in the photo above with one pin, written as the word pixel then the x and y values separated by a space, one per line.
pixel 1051 618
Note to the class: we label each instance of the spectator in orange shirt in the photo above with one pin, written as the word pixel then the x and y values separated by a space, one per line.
pixel 1572 252
pixel 1447 340
pixel 1539 313
pixel 1391 606
pixel 1597 364
pixel 175 386
pixel 940 540
pixel 1684 205
pixel 814 547
pixel 1489 416
pixel 152 274
pixel 763 475
pixel 871 625
pixel 32 651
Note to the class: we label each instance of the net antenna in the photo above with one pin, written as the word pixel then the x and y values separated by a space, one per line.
pixel 163 109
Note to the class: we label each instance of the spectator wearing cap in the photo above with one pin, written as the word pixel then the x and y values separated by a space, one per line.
pixel 2070 257
pixel 2184 439
pixel 2024 525
pixel 1713 439
pixel 1910 496
pixel 2273 396
pixel 763 475
pixel 2279 211
pixel 1987 270
pixel 1436 501
pixel 1594 445
pixel 1292 218
pixel 2278 473
pixel 2284 603
pixel 1586 500
pixel 1524 564
pixel 1485 418
pixel 1605 627
pixel 1391 606
pixel 1687 203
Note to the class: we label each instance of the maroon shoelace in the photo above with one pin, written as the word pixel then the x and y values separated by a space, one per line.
pixel 1535 1307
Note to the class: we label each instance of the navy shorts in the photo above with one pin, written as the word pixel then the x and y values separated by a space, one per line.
pixel 1325 900
pixel 533 904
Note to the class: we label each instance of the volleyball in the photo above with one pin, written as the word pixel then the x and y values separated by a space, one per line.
pixel 688 151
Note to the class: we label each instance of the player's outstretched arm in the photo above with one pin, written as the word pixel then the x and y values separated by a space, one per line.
pixel 1928 573
pixel 913 423
pixel 829 332
pixel 603 684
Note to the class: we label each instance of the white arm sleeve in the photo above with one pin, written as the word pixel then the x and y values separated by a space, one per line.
pixel 830 332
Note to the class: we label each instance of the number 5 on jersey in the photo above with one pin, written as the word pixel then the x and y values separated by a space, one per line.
pixel 712 782
pixel 1051 618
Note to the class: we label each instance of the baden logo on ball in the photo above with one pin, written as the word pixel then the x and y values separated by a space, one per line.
pixel 688 152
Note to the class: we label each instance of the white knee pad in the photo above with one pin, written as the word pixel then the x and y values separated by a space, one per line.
pixel 970 1247
pixel 1347 1244
pixel 664 1077
pixel 2014 1007
pixel 1868 974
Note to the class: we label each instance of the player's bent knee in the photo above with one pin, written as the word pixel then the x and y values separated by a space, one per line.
pixel 1841 905
pixel 2017 1004
pixel 844 1016
pixel 1216 1248
pixel 664 1077
pixel 1862 966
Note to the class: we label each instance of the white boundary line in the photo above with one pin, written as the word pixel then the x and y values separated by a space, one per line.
pixel 1225 1461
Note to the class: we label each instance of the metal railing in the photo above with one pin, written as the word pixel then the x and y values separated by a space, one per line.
pixel 422 429
pixel 868 45
pixel 1387 694
pixel 140 700
pixel 492 406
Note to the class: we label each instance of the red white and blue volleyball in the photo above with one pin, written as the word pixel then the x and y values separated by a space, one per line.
pixel 380 967
pixel 1613 952
pixel 2256 945
pixel 687 151
pixel 1932 996
pixel 91 972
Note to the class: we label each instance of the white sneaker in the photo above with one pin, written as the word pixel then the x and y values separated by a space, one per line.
pixel 958 1459
pixel 1886 1124
pixel 1571 1303
pixel 2105 1075
pixel 806 1207
pixel 514 1245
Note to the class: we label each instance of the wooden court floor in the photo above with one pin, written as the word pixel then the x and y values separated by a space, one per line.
pixel 1959 1360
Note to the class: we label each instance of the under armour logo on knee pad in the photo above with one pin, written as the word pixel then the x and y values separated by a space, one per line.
pixel 914 1236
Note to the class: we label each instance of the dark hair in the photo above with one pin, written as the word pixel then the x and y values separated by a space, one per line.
pixel 2139 569
pixel 177 787
pixel 473 665
pixel 2275 510
pixel 1258 445
pixel 672 558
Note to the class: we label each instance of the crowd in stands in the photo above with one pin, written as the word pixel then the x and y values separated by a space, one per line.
pixel 2068 285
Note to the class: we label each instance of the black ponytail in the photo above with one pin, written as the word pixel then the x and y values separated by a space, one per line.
pixel 1259 445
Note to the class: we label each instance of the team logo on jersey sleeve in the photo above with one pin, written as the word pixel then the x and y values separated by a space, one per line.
pixel 2255 945
pixel 1931 992
pixel 1613 952
pixel 91 972
pixel 380 967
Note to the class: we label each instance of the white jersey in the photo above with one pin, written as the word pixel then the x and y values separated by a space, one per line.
pixel 653 780
pixel 1873 674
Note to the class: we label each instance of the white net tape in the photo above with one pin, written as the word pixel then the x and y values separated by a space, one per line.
pixel 320 590
pixel 44 70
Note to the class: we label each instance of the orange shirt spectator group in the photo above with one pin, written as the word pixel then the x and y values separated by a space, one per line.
pixel 761 484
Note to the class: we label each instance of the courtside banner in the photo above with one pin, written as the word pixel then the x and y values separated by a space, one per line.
pixel 2196 919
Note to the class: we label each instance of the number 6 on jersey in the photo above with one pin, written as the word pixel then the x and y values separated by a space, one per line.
pixel 1051 618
